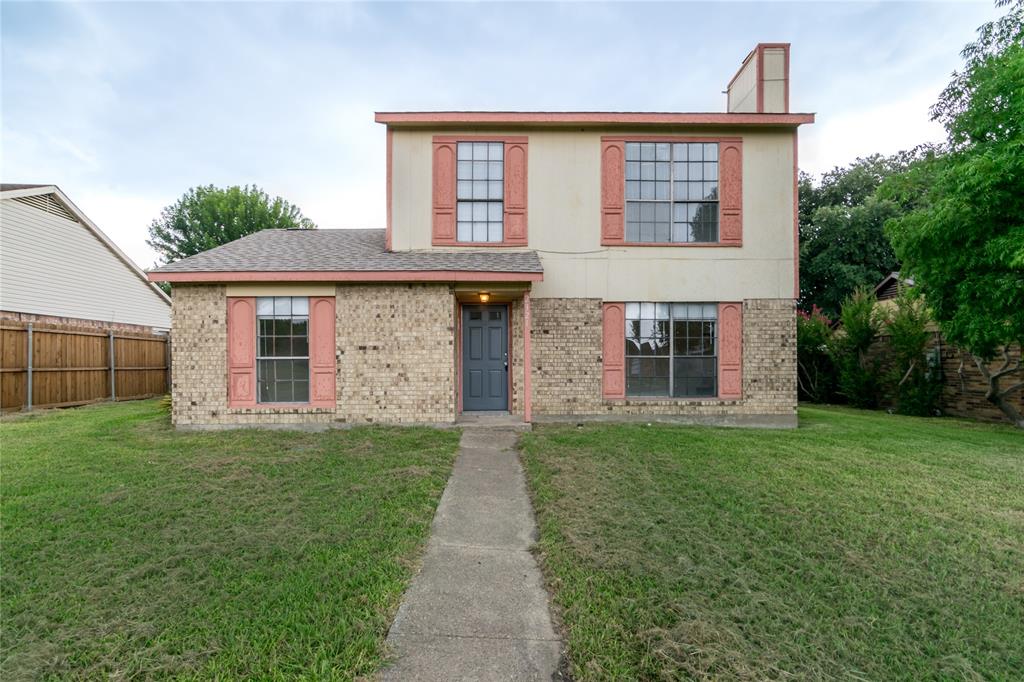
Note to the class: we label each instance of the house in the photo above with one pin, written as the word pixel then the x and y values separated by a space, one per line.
pixel 57 266
pixel 548 264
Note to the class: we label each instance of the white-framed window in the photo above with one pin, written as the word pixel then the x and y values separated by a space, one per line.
pixel 671 349
pixel 671 192
pixel 282 349
pixel 480 192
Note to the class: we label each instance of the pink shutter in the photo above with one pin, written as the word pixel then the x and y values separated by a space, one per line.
pixel 241 351
pixel 443 231
pixel 613 191
pixel 730 189
pixel 730 351
pixel 613 350
pixel 321 352
pixel 515 193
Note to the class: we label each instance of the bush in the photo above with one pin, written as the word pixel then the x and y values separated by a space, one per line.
pixel 858 373
pixel 915 386
pixel 815 373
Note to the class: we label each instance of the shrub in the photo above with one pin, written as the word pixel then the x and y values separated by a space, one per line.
pixel 815 373
pixel 915 385
pixel 858 373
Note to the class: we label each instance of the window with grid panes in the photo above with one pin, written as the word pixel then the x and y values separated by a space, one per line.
pixel 671 192
pixel 282 349
pixel 480 191
pixel 671 350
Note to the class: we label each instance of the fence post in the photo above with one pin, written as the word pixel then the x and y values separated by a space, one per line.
pixel 28 387
pixel 113 377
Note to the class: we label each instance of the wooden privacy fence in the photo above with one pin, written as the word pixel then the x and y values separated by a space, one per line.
pixel 56 366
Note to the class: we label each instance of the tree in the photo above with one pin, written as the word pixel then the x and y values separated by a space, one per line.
pixel 815 371
pixel 209 216
pixel 843 244
pixel 916 386
pixel 963 239
pixel 858 370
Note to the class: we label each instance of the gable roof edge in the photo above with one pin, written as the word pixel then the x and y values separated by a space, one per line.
pixel 92 227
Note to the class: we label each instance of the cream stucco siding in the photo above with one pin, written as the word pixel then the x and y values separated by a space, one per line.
pixel 742 95
pixel 774 80
pixel 564 221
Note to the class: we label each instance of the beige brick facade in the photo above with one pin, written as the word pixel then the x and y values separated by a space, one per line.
pixel 396 353
pixel 395 359
pixel 567 363
pixel 396 364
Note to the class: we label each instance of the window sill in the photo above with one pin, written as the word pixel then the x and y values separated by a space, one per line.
pixel 281 408
pixel 658 400
pixel 490 245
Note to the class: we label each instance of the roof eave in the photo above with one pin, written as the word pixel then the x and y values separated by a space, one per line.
pixel 591 118
pixel 348 276
pixel 29 191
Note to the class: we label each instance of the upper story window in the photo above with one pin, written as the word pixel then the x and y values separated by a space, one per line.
pixel 480 191
pixel 282 349
pixel 671 349
pixel 671 192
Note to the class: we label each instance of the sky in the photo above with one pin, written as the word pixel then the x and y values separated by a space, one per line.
pixel 126 105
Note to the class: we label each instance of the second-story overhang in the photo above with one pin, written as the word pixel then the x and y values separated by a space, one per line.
pixel 566 119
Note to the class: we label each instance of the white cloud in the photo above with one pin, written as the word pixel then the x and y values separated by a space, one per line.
pixel 883 129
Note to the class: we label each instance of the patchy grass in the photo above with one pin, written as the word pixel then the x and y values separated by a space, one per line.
pixel 131 550
pixel 859 546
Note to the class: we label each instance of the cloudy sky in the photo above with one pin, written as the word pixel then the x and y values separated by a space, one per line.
pixel 127 105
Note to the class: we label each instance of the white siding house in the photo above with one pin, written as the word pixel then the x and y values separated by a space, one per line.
pixel 54 262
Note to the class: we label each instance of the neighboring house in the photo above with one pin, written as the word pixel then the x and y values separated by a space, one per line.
pixel 618 265
pixel 963 385
pixel 57 267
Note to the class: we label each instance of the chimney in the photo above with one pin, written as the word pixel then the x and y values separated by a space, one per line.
pixel 762 83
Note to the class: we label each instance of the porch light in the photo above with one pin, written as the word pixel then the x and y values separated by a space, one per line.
pixel 484 297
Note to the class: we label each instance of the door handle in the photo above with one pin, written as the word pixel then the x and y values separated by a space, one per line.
pixel 506 366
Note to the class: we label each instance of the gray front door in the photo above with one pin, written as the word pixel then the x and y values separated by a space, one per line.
pixel 484 357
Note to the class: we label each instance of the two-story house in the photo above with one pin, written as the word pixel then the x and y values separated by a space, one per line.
pixel 547 264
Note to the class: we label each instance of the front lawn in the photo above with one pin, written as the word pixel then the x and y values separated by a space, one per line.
pixel 130 550
pixel 860 546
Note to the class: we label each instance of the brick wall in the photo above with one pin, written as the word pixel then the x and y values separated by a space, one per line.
pixel 396 353
pixel 395 359
pixel 91 325
pixel 964 387
pixel 567 365
pixel 515 358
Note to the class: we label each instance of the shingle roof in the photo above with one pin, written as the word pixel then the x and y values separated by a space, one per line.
pixel 343 250
pixel 9 186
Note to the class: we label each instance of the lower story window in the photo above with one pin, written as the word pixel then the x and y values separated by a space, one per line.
pixel 671 349
pixel 282 349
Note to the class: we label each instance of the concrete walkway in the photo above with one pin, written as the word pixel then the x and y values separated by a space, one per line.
pixel 478 610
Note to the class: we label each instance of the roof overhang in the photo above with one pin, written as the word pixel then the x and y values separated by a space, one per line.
pixel 349 276
pixel 586 118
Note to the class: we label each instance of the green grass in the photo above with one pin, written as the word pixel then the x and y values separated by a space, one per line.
pixel 131 550
pixel 859 546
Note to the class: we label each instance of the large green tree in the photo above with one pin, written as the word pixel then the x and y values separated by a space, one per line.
pixel 843 245
pixel 205 217
pixel 963 239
